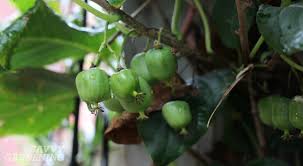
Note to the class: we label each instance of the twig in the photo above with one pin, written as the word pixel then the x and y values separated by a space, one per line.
pixel 242 30
pixel 167 37
pixel 257 123
pixel 239 77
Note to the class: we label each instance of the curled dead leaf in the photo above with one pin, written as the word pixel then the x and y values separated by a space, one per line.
pixel 123 129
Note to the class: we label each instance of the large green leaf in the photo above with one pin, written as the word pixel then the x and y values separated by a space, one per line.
pixel 282 27
pixel 34 101
pixel 9 39
pixel 267 162
pixel 165 144
pixel 226 21
pixel 40 37
pixel 23 5
pixel 268 24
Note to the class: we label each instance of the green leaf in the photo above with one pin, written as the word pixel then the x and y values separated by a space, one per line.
pixel 267 162
pixel 41 38
pixel 34 101
pixel 23 5
pixel 281 27
pixel 225 19
pixel 9 39
pixel 165 144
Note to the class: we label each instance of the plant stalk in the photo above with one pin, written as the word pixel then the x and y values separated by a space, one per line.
pixel 291 63
pixel 176 19
pixel 207 33
pixel 256 47
pixel 242 30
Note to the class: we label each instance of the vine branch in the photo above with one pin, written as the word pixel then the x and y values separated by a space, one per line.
pixel 242 29
pixel 167 37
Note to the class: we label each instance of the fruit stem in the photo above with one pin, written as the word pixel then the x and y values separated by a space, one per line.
pixel 206 27
pixel 142 116
pixel 102 46
pixel 175 19
pixel 157 43
pixel 106 17
pixel 183 131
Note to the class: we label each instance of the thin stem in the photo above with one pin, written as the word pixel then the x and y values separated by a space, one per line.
pixel 206 27
pixel 159 35
pixel 102 46
pixel 109 18
pixel 105 33
pixel 256 47
pixel 292 63
pixel 176 18
pixel 157 43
